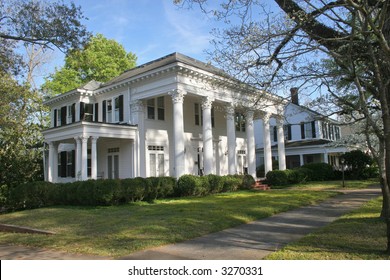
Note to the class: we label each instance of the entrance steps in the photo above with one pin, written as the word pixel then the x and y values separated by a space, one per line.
pixel 260 186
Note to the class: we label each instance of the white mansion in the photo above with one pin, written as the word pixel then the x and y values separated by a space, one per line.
pixel 169 117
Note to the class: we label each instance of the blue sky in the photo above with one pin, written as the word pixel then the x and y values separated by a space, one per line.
pixel 149 28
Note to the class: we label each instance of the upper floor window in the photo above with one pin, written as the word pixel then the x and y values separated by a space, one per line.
pixel 156 108
pixel 199 115
pixel 113 110
pixel 308 130
pixel 240 122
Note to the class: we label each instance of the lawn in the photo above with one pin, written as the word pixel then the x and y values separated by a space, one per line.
pixel 120 230
pixel 360 234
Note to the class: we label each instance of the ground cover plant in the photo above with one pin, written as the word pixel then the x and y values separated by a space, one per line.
pixel 115 231
pixel 360 234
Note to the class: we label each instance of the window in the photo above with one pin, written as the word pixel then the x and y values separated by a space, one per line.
pixel 287 132
pixel 70 164
pixel 59 118
pixel 70 114
pixel 325 130
pixel 88 112
pixel 156 161
pixel 156 112
pixel 109 111
pixel 241 162
pixel 308 130
pixel 337 132
pixel 160 108
pixel 199 115
pixel 240 122
pixel 117 106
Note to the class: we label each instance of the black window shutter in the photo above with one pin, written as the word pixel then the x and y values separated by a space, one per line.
pixel 82 111
pixel 104 110
pixel 289 137
pixel 63 115
pixel 96 116
pixel 303 130
pixel 73 112
pixel 73 163
pixel 313 129
pixel 63 164
pixel 121 108
pixel 275 134
pixel 55 118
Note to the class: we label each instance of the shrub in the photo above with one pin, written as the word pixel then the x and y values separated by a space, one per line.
pixel 134 189
pixel 32 195
pixel 320 171
pixel 277 178
pixel 190 185
pixel 166 186
pixel 215 183
pixel 231 183
pixel 247 182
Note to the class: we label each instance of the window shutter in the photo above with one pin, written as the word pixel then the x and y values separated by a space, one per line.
pixel 73 112
pixel 63 115
pixel 63 164
pixel 121 108
pixel 96 115
pixel 104 110
pixel 55 118
pixel 275 134
pixel 289 137
pixel 73 164
pixel 302 130
pixel 82 111
pixel 313 129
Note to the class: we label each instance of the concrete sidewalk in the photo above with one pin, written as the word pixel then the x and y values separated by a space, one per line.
pixel 258 239
pixel 250 241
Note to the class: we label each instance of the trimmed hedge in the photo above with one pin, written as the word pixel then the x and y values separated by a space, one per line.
pixel 308 172
pixel 114 192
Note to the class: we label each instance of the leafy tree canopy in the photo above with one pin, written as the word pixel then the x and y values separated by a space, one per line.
pixel 101 59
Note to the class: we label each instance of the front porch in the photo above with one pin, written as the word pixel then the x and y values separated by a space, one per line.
pixel 91 150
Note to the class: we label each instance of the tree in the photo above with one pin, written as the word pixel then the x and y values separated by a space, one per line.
pixel 46 23
pixel 269 49
pixel 101 59
pixel 39 26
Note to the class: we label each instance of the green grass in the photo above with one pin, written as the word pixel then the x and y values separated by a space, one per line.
pixel 331 185
pixel 360 234
pixel 120 230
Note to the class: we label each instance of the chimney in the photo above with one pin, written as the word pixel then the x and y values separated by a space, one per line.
pixel 294 95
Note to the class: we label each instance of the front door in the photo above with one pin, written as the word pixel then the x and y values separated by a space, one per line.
pixel 113 166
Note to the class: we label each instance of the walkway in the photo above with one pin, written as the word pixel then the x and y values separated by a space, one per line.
pixel 250 241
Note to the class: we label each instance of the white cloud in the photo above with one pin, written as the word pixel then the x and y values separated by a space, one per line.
pixel 188 30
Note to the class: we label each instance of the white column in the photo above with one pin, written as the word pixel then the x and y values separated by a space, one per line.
pixel 281 146
pixel 78 158
pixel 52 174
pixel 267 143
pixel 302 162
pixel 137 111
pixel 231 139
pixel 207 136
pixel 93 157
pixel 84 158
pixel 178 132
pixel 326 157
pixel 250 140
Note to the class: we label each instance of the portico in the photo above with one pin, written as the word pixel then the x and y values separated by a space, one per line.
pixel 169 117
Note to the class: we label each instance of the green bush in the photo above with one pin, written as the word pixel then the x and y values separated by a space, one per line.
pixel 231 183
pixel 134 189
pixel 277 178
pixel 190 185
pixel 215 183
pixel 247 182
pixel 320 171
pixel 32 195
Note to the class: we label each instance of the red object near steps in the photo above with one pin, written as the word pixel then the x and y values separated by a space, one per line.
pixel 260 186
